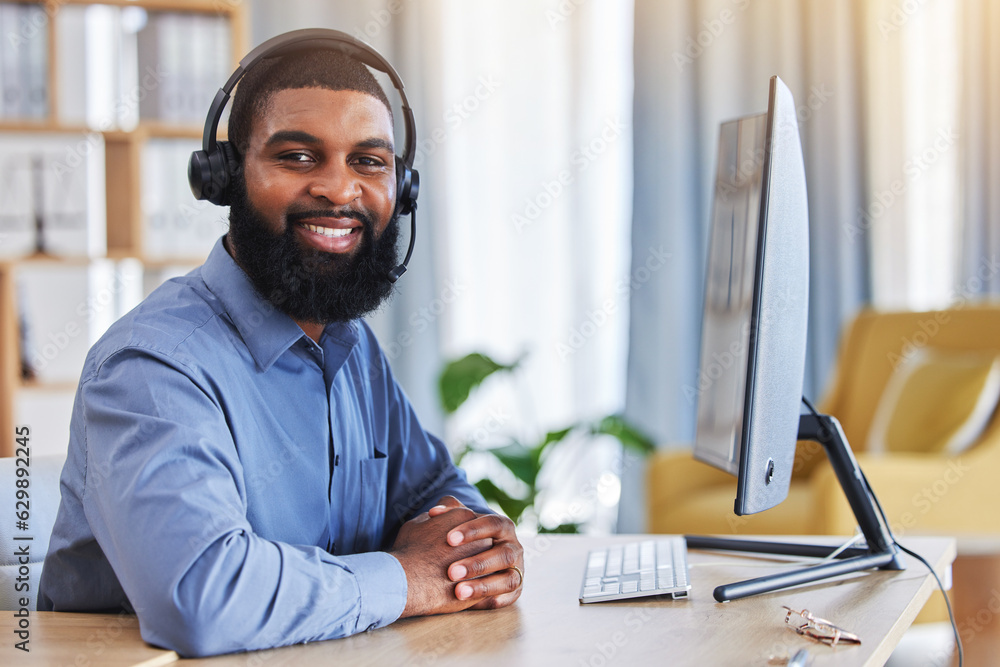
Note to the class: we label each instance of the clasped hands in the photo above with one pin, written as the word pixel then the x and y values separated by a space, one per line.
pixel 456 559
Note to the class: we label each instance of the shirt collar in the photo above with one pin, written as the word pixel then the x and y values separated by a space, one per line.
pixel 266 331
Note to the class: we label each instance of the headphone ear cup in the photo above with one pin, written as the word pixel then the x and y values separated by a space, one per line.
pixel 228 169
pixel 407 188
pixel 210 174
pixel 199 174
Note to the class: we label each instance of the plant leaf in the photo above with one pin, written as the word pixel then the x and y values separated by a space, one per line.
pixel 461 376
pixel 520 460
pixel 629 436
pixel 512 507
pixel 561 528
pixel 462 453
pixel 553 437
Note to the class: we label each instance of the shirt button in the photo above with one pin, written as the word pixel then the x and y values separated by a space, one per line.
pixel 371 627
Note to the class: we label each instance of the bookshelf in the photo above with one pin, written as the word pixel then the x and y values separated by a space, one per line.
pixel 100 102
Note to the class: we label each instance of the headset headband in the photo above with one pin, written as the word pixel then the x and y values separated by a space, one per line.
pixel 306 40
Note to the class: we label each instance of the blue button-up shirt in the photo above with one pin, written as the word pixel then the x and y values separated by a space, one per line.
pixel 231 481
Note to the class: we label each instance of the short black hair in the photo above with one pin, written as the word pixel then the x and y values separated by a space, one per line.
pixel 322 68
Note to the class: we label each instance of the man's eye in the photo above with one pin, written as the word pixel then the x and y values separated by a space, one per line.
pixel 296 157
pixel 368 161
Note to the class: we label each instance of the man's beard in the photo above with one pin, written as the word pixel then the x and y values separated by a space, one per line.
pixel 307 284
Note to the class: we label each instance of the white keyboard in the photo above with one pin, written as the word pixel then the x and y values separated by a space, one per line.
pixel 637 569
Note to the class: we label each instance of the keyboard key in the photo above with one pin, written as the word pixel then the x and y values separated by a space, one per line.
pixel 647 556
pixel 650 567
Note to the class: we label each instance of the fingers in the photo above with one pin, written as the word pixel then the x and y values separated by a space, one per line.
pixel 502 556
pixel 496 585
pixel 498 601
pixel 445 504
pixel 490 525
pixel 488 578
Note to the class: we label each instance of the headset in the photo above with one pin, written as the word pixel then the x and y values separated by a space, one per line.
pixel 212 169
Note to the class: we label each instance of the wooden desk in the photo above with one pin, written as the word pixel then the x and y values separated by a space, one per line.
pixel 549 627
pixel 80 640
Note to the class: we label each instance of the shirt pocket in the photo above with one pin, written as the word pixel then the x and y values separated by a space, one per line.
pixel 371 513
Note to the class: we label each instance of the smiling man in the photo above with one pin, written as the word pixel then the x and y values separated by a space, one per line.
pixel 243 470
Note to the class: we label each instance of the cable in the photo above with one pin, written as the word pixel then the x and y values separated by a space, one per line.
pixel 798 561
pixel 947 602
pixel 888 528
pixel 810 406
pixel 843 547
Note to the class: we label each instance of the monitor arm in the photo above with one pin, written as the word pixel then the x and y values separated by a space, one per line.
pixel 880 550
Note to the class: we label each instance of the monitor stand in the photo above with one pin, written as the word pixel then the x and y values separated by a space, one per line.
pixel 880 551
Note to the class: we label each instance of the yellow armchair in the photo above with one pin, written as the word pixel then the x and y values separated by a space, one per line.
pixel 929 493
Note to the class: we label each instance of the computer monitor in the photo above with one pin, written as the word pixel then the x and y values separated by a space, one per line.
pixel 753 340
pixel 754 345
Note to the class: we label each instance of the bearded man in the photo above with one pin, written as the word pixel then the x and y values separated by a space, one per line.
pixel 243 470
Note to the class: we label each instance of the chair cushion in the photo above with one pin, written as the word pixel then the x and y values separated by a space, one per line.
pixel 936 401
pixel 709 511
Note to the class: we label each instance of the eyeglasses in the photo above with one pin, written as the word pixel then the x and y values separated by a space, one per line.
pixel 821 630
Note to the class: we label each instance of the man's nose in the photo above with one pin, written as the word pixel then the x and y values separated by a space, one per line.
pixel 336 183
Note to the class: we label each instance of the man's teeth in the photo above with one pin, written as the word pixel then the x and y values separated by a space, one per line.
pixel 329 231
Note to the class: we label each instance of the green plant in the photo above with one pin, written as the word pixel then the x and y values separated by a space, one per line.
pixel 461 377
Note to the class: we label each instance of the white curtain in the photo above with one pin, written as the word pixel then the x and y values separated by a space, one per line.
pixel 979 272
pixel 913 142
pixel 525 133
